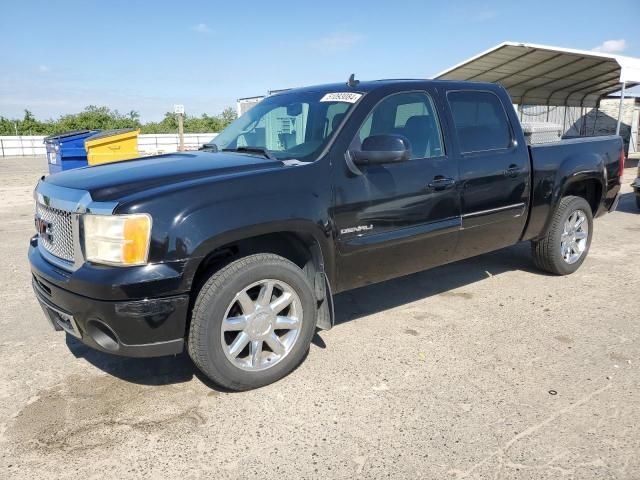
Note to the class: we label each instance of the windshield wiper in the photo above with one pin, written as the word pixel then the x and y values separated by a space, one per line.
pixel 261 150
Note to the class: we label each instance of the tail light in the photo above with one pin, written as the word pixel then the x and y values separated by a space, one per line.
pixel 621 163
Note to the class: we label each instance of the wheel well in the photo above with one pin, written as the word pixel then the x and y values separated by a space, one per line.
pixel 302 250
pixel 590 190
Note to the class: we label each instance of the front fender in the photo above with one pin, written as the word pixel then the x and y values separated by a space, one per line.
pixel 214 238
pixel 195 218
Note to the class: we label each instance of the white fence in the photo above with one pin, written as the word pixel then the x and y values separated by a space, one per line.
pixel 162 143
pixel 148 144
pixel 22 145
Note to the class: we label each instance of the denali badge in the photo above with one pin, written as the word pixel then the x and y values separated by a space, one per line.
pixel 43 228
pixel 359 228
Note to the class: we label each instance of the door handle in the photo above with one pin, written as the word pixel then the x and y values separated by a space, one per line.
pixel 441 183
pixel 512 171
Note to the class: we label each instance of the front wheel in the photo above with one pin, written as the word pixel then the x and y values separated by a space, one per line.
pixel 252 322
pixel 565 246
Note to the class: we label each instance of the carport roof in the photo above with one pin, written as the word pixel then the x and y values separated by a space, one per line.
pixel 543 75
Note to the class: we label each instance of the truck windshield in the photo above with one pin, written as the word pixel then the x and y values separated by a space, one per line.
pixel 295 125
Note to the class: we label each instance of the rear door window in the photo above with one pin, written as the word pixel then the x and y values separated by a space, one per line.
pixel 480 121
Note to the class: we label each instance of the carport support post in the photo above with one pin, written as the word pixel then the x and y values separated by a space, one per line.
pixel 624 84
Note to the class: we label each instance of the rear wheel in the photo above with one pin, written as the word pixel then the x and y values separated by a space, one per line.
pixel 252 322
pixel 567 242
pixel 638 200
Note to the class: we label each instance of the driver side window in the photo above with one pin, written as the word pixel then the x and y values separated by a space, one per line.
pixel 411 115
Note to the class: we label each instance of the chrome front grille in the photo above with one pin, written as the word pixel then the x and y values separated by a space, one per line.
pixel 55 231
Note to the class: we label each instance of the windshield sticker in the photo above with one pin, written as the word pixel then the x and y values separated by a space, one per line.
pixel 348 97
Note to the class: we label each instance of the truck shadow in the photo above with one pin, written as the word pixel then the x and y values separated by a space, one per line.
pixel 386 295
pixel 349 306
pixel 628 203
pixel 144 371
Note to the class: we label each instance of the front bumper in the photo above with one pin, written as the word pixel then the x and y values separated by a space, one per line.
pixel 150 324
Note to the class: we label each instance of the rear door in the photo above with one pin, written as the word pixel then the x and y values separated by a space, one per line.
pixel 396 218
pixel 494 171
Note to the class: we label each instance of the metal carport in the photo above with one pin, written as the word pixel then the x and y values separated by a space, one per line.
pixel 552 76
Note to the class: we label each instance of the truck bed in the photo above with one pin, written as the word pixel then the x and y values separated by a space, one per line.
pixel 554 168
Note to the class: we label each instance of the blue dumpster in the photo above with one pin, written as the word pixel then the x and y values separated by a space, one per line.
pixel 66 150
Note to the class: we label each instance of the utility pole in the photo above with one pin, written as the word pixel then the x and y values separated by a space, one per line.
pixel 179 110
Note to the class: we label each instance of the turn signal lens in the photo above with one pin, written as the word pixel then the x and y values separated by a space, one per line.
pixel 117 239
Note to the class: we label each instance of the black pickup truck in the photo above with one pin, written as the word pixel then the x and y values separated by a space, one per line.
pixel 235 251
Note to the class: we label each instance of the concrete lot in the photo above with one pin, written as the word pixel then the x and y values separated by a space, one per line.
pixel 485 368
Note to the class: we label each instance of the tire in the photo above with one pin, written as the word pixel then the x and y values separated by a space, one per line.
pixel 638 200
pixel 547 252
pixel 212 350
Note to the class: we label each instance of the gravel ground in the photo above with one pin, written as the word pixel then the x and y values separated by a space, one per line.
pixel 485 368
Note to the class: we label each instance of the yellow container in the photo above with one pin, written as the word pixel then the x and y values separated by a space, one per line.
pixel 112 146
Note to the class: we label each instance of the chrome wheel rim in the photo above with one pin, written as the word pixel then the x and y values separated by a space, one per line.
pixel 574 237
pixel 261 325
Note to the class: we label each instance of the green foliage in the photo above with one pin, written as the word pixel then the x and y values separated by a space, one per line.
pixel 97 118
pixel 103 118
pixel 204 124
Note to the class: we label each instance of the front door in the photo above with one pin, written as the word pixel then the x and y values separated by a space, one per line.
pixel 397 218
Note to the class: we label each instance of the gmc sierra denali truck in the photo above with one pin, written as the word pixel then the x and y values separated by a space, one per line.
pixel 235 251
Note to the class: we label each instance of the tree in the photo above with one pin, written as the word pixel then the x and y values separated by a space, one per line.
pixel 95 117
pixel 227 116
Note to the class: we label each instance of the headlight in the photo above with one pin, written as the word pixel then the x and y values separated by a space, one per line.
pixel 117 239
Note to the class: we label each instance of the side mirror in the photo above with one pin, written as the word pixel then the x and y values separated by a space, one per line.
pixel 379 149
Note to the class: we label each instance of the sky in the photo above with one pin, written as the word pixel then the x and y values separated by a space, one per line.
pixel 57 57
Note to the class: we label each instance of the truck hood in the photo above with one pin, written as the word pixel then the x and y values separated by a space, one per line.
pixel 113 181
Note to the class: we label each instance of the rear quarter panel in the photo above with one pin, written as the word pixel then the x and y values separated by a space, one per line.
pixel 558 166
